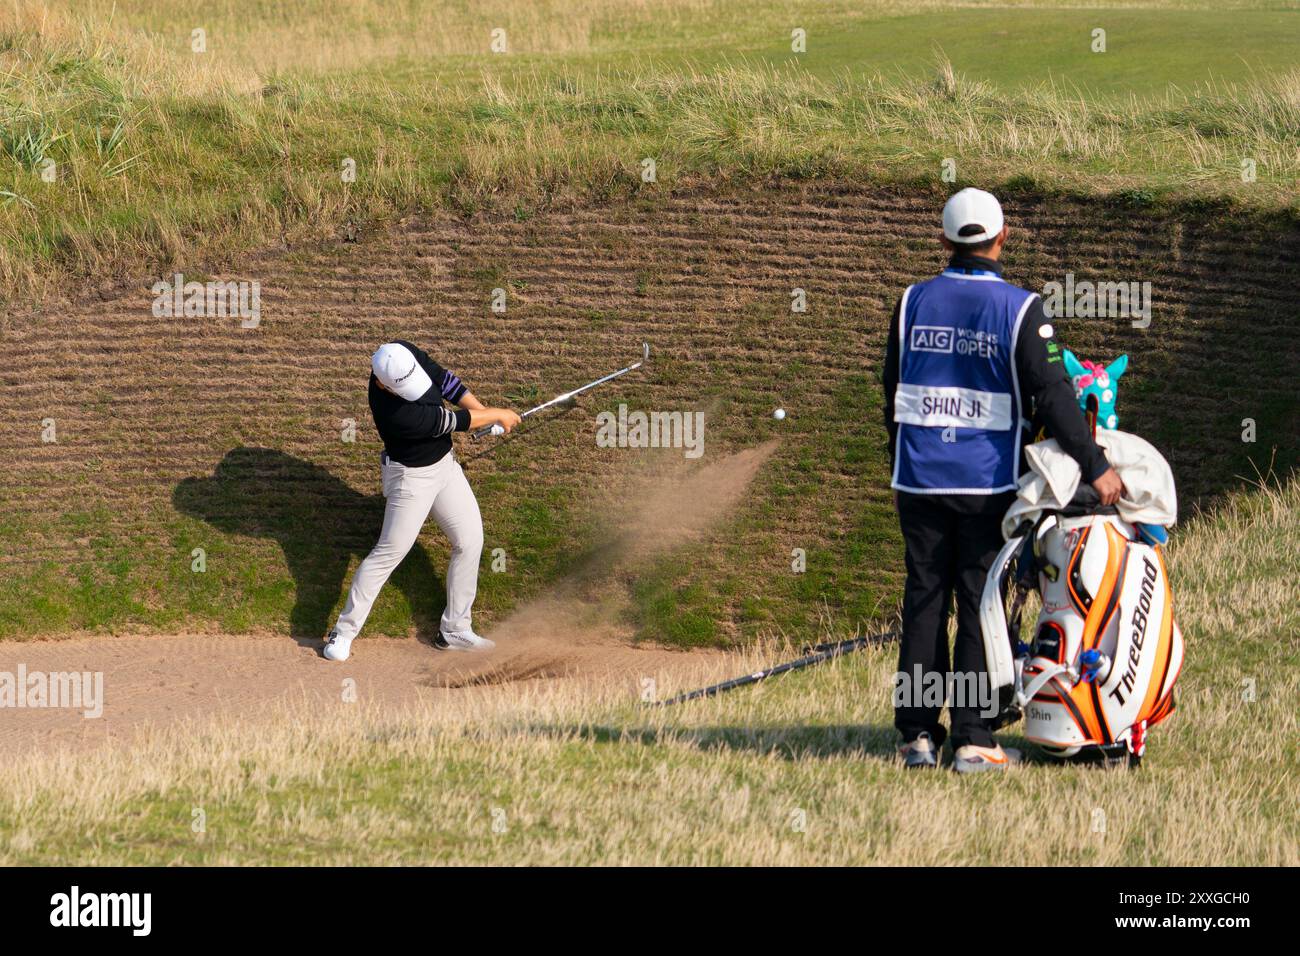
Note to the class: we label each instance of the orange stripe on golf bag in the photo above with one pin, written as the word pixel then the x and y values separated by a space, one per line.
pixel 1164 653
pixel 1073 711
pixel 1086 703
pixel 1082 603
pixel 1155 707
pixel 1106 601
pixel 1165 708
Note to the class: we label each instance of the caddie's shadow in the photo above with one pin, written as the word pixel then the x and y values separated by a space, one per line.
pixel 789 742
pixel 320 524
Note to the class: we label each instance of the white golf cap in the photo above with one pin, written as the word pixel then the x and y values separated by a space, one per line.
pixel 975 211
pixel 398 371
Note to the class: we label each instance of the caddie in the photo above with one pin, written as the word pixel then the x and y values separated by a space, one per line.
pixel 971 360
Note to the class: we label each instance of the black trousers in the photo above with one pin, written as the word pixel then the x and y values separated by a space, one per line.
pixel 951 543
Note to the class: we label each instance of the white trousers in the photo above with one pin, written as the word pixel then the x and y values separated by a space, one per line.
pixel 412 493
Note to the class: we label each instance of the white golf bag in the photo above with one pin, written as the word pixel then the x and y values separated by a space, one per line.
pixel 1105 653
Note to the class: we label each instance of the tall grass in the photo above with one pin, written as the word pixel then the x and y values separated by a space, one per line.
pixel 162 155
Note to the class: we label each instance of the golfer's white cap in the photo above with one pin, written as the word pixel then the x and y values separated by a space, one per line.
pixel 972 215
pixel 398 371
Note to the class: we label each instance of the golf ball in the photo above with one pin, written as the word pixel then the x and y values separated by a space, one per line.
pixel 779 414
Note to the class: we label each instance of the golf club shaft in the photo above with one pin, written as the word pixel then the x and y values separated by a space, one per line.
pixel 821 653
pixel 577 391
pixel 564 397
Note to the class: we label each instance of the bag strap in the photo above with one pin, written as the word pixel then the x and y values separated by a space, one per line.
pixel 1028 692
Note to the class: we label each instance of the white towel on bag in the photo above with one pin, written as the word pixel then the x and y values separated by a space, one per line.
pixel 1149 493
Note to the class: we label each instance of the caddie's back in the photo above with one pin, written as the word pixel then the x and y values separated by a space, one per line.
pixel 957 402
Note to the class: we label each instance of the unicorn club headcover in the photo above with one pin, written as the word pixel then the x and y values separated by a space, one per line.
pixel 1090 378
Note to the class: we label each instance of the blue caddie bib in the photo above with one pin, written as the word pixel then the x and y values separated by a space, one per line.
pixel 958 401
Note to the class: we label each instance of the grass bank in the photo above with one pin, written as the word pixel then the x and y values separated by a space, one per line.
pixel 122 150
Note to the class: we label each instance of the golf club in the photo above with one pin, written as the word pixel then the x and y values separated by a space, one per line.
pixel 568 396
pixel 817 655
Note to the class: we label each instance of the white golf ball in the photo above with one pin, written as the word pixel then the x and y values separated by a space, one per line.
pixel 779 414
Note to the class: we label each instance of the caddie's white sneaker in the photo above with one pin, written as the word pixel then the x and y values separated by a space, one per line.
pixel 337 648
pixel 462 641
pixel 919 753
pixel 973 759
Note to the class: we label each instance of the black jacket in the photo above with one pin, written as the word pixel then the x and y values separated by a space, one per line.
pixel 1046 393
pixel 418 433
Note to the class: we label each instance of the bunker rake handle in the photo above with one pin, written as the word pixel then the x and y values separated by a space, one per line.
pixel 568 396
pixel 816 655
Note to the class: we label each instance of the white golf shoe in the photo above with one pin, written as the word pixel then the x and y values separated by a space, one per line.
pixel 337 648
pixel 973 759
pixel 462 641
pixel 920 753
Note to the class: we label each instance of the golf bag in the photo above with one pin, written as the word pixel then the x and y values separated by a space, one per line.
pixel 1106 652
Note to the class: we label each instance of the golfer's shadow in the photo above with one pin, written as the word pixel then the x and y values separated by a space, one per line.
pixel 320 524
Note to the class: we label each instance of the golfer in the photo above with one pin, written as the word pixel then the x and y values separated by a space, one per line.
pixel 420 474
pixel 971 358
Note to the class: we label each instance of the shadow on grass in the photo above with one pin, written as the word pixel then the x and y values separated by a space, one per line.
pixel 320 523
pixel 793 742
pixel 789 742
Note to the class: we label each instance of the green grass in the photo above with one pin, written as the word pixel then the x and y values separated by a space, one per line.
pixel 249 586
pixel 164 155
pixel 1012 48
